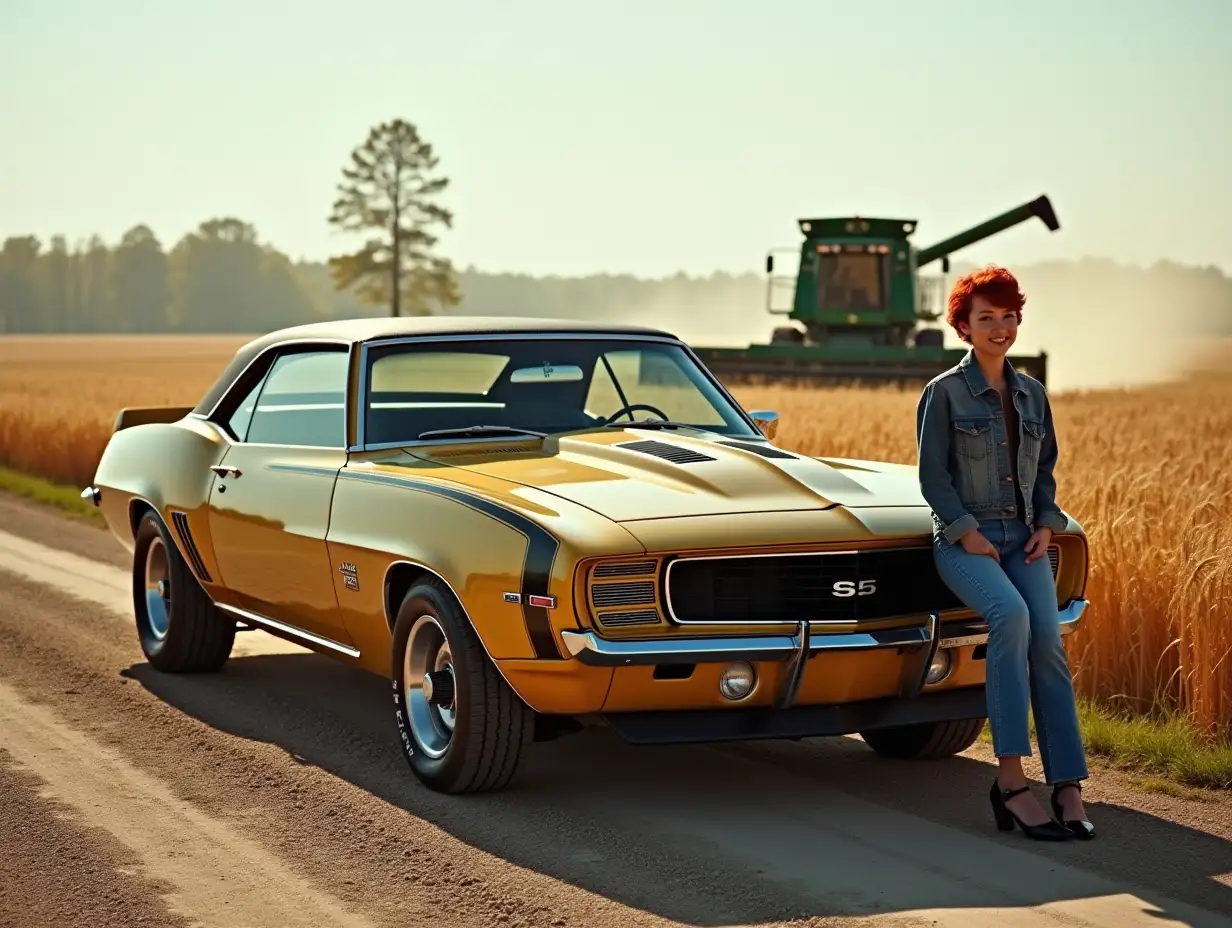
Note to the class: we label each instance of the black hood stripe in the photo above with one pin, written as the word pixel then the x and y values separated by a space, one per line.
pixel 541 549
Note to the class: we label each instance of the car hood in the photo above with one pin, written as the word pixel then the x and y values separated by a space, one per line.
pixel 637 474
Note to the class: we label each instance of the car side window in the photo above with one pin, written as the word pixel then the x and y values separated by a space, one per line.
pixel 303 401
pixel 237 423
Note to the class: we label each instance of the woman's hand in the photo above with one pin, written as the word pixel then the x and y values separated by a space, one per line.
pixel 975 543
pixel 1037 544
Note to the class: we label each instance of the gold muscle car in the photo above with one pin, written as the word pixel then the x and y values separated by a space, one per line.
pixel 531 525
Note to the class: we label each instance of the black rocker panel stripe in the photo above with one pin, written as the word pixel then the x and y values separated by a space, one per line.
pixel 541 551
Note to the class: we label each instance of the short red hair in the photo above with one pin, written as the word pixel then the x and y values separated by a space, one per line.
pixel 995 284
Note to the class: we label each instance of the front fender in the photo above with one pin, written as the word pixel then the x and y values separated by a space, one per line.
pixel 510 560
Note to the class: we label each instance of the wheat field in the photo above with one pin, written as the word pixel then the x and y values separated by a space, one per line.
pixel 1145 470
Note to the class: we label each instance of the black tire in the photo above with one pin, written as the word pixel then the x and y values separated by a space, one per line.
pixel 490 723
pixel 925 741
pixel 182 631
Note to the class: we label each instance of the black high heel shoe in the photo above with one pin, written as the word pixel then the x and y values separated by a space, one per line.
pixel 1080 828
pixel 1007 818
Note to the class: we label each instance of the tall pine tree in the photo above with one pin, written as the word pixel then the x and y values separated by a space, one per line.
pixel 387 191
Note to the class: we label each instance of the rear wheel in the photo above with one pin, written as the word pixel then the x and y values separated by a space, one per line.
pixel 925 741
pixel 178 625
pixel 462 728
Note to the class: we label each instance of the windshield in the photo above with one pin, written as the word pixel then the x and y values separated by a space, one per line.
pixel 849 281
pixel 541 384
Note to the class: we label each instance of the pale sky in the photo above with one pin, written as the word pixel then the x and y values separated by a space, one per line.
pixel 642 136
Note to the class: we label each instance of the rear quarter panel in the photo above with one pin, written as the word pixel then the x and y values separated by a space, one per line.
pixel 166 464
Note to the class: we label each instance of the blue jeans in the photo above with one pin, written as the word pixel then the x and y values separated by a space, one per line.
pixel 1019 603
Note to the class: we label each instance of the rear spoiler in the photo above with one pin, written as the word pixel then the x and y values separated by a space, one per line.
pixel 143 415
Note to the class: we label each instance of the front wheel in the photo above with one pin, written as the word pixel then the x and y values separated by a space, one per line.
pixel 925 741
pixel 178 625
pixel 461 727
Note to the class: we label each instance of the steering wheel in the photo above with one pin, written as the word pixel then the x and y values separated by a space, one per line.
pixel 633 406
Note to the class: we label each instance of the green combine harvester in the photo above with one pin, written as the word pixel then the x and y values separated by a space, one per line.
pixel 857 304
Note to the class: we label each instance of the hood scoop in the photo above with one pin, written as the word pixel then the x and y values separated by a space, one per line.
pixel 668 452
pixel 766 451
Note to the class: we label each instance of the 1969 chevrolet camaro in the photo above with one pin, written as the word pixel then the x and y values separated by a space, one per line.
pixel 529 526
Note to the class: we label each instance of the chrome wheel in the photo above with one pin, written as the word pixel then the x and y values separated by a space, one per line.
pixel 157 589
pixel 430 694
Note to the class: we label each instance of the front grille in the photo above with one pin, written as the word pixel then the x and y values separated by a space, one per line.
pixel 882 584
pixel 624 593
pixel 787 588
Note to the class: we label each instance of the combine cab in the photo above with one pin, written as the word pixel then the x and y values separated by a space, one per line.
pixel 856 304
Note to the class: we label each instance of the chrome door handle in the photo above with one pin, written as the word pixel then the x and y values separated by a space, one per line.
pixel 222 470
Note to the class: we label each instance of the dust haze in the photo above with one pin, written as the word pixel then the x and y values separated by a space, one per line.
pixel 1102 324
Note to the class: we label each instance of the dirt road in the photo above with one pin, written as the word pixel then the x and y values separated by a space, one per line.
pixel 272 795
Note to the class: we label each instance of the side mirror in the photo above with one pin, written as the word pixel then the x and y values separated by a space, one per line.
pixel 767 421
pixel 769 264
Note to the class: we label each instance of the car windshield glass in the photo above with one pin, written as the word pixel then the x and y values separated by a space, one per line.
pixel 541 384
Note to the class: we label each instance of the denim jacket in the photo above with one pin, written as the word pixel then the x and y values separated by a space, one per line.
pixel 964 460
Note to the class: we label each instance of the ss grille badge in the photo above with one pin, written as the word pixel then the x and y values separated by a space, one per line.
pixel 512 597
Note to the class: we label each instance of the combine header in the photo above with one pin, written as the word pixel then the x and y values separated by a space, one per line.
pixel 857 301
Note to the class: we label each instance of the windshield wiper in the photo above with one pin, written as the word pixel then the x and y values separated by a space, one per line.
pixel 468 430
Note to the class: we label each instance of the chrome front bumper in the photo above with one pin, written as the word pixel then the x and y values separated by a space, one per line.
pixel 589 648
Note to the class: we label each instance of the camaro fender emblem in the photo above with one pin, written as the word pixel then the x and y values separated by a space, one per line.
pixel 350 575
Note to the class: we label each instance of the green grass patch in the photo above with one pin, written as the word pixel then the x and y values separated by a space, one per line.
pixel 1166 751
pixel 67 499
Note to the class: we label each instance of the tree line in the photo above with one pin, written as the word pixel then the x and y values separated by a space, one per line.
pixel 221 278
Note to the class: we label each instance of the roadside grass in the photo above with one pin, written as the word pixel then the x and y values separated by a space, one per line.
pixel 1166 752
pixel 65 498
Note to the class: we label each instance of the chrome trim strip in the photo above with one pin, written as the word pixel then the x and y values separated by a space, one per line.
pixel 291 630
pixel 589 648
pixel 790 687
pixel 1070 613
pixel 277 346
pixel 914 673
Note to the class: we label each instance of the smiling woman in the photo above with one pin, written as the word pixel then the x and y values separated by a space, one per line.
pixel 987 450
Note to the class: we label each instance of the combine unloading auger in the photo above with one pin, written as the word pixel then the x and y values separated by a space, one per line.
pixel 857 304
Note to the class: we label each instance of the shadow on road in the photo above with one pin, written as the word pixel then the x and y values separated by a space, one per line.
pixel 710 835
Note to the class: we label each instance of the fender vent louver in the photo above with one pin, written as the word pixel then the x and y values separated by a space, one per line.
pixel 628 593
pixel 661 449
pixel 190 547
pixel 625 569
pixel 623 619
pixel 766 451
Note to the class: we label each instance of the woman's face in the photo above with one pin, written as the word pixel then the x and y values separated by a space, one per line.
pixel 992 330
